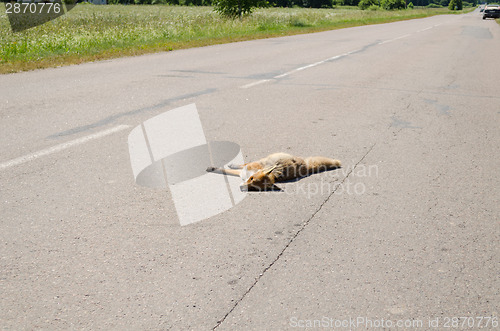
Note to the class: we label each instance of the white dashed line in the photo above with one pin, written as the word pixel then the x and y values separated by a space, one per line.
pixel 255 83
pixel 60 147
pixel 391 40
pixel 425 29
pixel 298 69
pixel 283 75
pixel 312 65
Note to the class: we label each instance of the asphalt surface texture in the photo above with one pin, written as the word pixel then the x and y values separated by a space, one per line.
pixel 404 236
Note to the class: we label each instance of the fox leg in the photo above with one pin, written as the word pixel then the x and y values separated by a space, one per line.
pixel 222 171
pixel 236 166
pixel 254 166
pixel 250 166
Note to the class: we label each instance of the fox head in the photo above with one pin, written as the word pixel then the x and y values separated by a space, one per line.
pixel 261 180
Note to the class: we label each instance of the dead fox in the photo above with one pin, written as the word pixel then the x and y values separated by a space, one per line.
pixel 277 167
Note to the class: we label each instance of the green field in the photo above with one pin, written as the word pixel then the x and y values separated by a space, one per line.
pixel 89 33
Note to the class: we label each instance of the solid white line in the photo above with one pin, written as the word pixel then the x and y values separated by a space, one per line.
pixel 60 147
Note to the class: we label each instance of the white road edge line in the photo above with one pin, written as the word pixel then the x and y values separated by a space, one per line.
pixel 60 147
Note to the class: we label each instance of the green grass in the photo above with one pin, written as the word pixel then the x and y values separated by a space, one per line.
pixel 89 33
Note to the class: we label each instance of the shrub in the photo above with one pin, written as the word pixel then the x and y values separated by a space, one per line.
pixel 410 5
pixel 237 8
pixel 321 3
pixel 393 4
pixel 455 5
pixel 365 4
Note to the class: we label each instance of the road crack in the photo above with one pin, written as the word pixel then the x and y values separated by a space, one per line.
pixel 291 240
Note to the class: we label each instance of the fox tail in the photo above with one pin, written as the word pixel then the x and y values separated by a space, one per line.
pixel 320 163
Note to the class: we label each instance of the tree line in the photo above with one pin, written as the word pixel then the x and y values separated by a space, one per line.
pixel 298 3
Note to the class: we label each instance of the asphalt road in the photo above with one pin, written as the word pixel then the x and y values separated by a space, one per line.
pixel 406 232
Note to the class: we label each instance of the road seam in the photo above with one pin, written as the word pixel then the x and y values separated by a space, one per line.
pixel 291 240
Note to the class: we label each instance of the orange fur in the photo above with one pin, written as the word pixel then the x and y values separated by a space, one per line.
pixel 277 167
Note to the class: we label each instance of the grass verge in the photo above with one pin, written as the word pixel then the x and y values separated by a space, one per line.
pixel 90 33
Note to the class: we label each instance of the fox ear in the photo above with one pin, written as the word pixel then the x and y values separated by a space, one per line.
pixel 269 170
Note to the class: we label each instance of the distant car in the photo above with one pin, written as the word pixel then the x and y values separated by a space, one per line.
pixel 491 11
